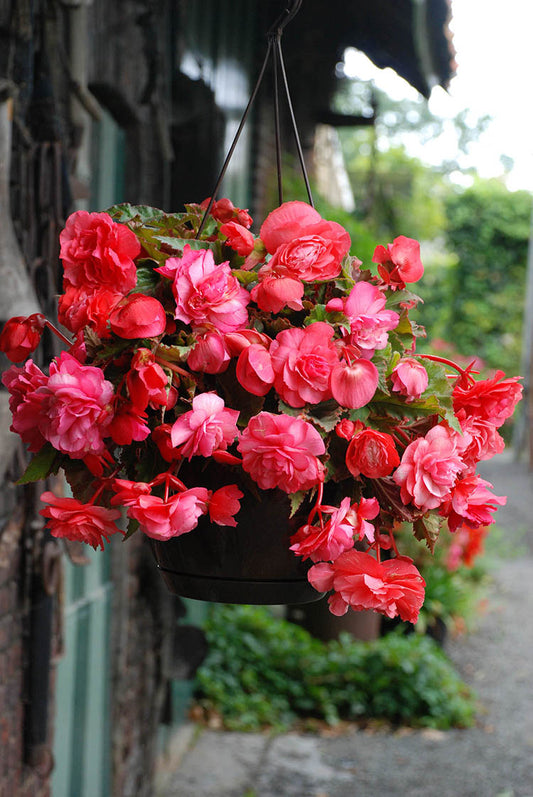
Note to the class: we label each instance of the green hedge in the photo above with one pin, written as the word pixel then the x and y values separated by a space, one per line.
pixel 262 671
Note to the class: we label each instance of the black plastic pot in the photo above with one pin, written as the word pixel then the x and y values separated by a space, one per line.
pixel 250 563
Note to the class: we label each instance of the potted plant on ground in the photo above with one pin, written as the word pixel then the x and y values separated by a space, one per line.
pixel 255 405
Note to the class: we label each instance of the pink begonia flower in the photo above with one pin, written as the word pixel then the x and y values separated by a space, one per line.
pixel 128 424
pixel 429 468
pixel 225 504
pixel 241 338
pixel 491 399
pixel 311 257
pixel 69 518
pixel 409 378
pixel 399 262
pixel 206 292
pixel 327 541
pixel 372 454
pixel 238 238
pixel 209 426
pixel 161 437
pixel 254 370
pixel 76 409
pixel 485 440
pixel 210 354
pixel 303 360
pixel 224 210
pixel 394 587
pixel 138 316
pixel 79 308
pixel 370 323
pixel 353 384
pixel 25 402
pixel 21 335
pixel 146 381
pixel 128 492
pixel 281 451
pixel 276 290
pixel 97 252
pixel 290 220
pixel 472 503
pixel 179 514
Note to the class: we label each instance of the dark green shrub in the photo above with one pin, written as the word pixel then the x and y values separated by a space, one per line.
pixel 262 671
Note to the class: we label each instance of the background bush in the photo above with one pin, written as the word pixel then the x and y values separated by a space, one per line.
pixel 262 671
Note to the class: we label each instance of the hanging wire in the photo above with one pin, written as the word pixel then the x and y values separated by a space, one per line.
pixel 294 126
pixel 274 35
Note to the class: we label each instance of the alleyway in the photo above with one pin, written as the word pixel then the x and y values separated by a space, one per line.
pixel 495 759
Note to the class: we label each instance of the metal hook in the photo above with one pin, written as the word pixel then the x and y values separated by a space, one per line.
pixel 293 6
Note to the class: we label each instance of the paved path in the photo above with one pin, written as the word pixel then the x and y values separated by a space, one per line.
pixel 494 759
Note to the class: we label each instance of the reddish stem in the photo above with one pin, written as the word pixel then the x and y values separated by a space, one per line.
pixel 58 333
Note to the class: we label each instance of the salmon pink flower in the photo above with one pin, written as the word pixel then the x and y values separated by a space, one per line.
pixel 210 354
pixel 328 540
pixel 76 409
pixel 79 308
pixel 254 370
pixel 354 383
pixel 372 454
pixel 128 424
pixel 276 290
pixel 289 221
pixel 97 252
pixel 146 381
pixel 485 440
pixel 208 427
pixel 281 451
pixel 492 399
pixel 241 338
pixel 163 519
pixel 471 503
pixel 73 520
pixel 399 262
pixel 162 439
pixel 409 378
pixel 20 336
pixel 206 292
pixel 25 402
pixel 311 257
pixel 238 238
pixel 225 504
pixel 138 316
pixel 429 468
pixel 370 323
pixel 394 587
pixel 224 210
pixel 303 360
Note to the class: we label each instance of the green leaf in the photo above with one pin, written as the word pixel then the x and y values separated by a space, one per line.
pixel 174 354
pixel 318 313
pixel 179 244
pixel 147 279
pixel 133 526
pixel 143 213
pixel 245 277
pixel 41 466
pixel 326 414
pixel 427 529
pixel 296 500
pixel 396 298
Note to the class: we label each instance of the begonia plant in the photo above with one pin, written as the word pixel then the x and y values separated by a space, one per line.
pixel 277 354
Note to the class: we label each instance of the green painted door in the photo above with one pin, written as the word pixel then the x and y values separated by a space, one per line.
pixel 82 737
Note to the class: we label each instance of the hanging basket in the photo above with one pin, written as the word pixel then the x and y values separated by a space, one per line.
pixel 250 563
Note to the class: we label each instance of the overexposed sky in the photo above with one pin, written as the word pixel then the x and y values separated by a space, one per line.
pixel 494 76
